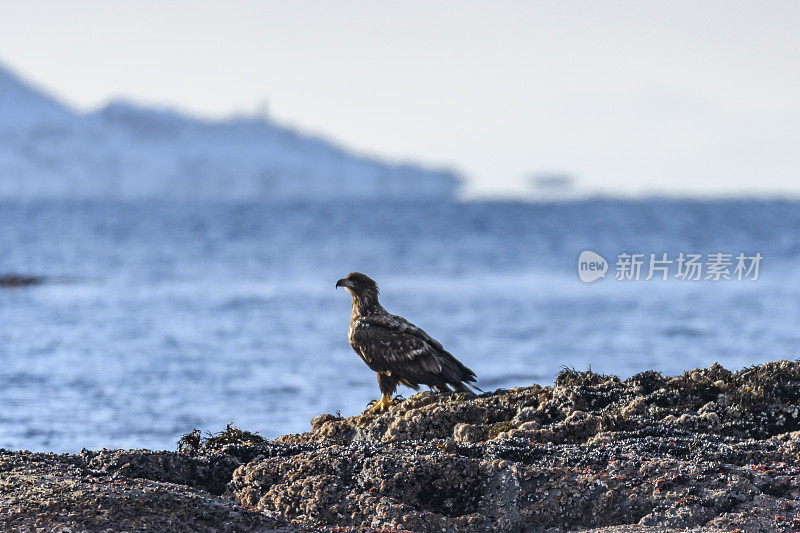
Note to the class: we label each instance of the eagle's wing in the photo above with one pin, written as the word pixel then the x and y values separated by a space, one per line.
pixel 392 344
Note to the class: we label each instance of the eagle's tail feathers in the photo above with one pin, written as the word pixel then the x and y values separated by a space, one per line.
pixel 463 387
pixel 470 378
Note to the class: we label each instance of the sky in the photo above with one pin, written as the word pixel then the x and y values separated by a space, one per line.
pixel 627 97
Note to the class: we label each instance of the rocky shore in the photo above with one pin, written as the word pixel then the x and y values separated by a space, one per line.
pixel 707 450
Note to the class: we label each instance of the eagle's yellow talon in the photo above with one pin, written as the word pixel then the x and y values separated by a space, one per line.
pixel 383 404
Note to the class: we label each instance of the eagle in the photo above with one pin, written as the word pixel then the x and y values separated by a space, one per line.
pixel 397 350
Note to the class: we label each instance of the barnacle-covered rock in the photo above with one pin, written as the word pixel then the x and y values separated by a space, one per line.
pixel 707 450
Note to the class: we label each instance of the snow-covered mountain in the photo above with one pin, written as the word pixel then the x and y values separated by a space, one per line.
pixel 129 151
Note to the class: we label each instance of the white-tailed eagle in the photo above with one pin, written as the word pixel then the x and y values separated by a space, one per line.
pixel 399 351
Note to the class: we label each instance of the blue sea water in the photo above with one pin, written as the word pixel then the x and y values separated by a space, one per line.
pixel 167 316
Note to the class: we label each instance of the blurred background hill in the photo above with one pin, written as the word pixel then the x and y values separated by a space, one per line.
pixel 124 150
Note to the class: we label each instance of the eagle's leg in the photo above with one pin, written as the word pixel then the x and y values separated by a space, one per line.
pixel 387 384
pixel 383 404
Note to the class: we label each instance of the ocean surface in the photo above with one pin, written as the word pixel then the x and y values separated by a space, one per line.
pixel 165 317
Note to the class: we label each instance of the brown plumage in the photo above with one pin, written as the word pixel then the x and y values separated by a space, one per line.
pixel 397 350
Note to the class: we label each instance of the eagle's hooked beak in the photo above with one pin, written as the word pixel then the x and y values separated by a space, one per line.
pixel 344 283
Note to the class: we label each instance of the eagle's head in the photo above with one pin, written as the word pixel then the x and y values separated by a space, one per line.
pixel 359 285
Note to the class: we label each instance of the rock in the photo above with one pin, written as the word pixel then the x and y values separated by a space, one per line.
pixel 470 432
pixel 592 451
pixel 47 492
pixel 709 450
pixel 14 281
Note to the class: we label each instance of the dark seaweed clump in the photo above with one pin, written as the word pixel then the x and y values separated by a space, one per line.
pixel 195 442
pixel 569 376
